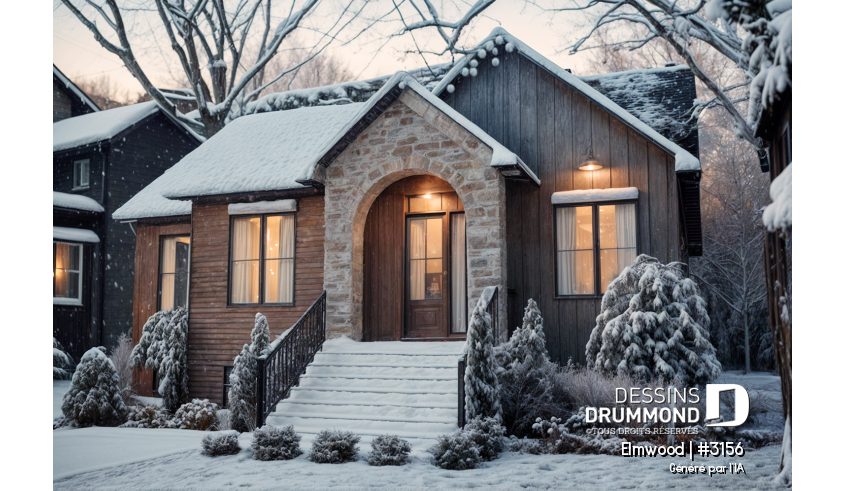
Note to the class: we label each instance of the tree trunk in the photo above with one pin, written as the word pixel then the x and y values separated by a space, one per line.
pixel 747 343
pixel 780 314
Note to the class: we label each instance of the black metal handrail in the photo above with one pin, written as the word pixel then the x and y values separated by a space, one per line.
pixel 488 302
pixel 280 369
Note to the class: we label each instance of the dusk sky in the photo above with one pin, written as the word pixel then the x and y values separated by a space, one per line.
pixel 78 55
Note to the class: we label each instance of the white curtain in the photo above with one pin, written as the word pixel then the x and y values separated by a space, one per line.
pixel 286 251
pixel 168 265
pixel 626 236
pixel 565 242
pixel 459 274
pixel 417 247
pixel 245 250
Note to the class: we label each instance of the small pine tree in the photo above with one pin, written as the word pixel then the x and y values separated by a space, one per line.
pixel 163 347
pixel 653 323
pixel 481 384
pixel 62 362
pixel 94 397
pixel 242 390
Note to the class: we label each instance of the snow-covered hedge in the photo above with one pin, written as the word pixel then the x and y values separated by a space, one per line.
pixel 62 362
pixel 481 384
pixel 243 390
pixel 94 397
pixel 198 414
pixel 273 443
pixel 334 447
pixel 389 450
pixel 653 323
pixel 163 347
pixel 223 443
pixel 149 416
pixel 456 451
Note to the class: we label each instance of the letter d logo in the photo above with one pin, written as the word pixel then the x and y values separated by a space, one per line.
pixel 713 406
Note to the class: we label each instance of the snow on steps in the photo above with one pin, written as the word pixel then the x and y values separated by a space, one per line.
pixel 406 389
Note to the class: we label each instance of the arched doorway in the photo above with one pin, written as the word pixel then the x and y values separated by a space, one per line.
pixel 415 265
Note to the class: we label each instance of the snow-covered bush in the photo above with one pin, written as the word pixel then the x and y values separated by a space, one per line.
pixel 389 450
pixel 525 445
pixel 334 447
pixel 273 443
pixel 456 451
pixel 163 347
pixel 481 385
pixel 488 435
pixel 242 391
pixel 94 394
pixel 149 416
pixel 198 414
pixel 653 323
pixel 223 443
pixel 121 356
pixel 526 376
pixel 62 362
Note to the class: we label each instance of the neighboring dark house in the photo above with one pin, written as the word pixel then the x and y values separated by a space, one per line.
pixel 506 166
pixel 68 100
pixel 101 160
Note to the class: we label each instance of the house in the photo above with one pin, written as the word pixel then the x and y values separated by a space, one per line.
pixel 100 160
pixel 68 99
pixel 509 172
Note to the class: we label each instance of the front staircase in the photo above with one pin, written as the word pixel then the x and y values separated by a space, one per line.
pixel 405 389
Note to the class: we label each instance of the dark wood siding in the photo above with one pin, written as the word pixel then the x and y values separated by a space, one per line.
pixel 217 331
pixel 61 103
pixel 384 252
pixel 145 300
pixel 552 126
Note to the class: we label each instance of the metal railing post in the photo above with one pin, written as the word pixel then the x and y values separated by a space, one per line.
pixel 259 396
pixel 462 368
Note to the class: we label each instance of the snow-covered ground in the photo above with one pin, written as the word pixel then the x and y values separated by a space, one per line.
pixel 114 447
pixel 132 458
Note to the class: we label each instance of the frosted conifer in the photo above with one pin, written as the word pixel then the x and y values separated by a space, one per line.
pixel 94 397
pixel 527 345
pixel 653 323
pixel 163 347
pixel 62 362
pixel 480 382
pixel 242 390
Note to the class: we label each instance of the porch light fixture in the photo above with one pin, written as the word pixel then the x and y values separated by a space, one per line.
pixel 591 163
pixel 426 196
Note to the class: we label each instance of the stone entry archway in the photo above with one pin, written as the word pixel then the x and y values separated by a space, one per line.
pixel 411 137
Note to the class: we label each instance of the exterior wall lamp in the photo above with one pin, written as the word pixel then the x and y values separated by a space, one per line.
pixel 591 163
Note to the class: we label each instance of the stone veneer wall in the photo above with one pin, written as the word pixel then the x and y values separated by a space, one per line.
pixel 411 137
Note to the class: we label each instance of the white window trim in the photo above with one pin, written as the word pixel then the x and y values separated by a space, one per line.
pixel 66 300
pixel 87 175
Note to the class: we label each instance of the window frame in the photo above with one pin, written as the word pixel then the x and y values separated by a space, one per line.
pixel 68 300
pixel 77 164
pixel 596 242
pixel 261 259
pixel 227 384
pixel 452 270
pixel 161 239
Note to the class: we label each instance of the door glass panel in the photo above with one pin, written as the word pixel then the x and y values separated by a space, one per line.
pixel 434 238
pixel 417 245
pixel 426 249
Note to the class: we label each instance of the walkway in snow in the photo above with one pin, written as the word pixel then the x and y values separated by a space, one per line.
pixel 406 389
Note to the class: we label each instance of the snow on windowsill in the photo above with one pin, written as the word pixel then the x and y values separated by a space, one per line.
pixel 67 301
pixel 76 202
pixel 75 235
pixel 591 195
pixel 260 207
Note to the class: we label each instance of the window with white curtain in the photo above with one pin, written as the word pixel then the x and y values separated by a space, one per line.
pixel 588 261
pixel 262 259
pixel 173 272
pixel 67 273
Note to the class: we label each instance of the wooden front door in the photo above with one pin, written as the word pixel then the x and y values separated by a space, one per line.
pixel 427 275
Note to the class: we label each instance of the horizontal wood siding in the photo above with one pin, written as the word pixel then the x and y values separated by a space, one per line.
pixel 552 127
pixel 145 300
pixel 217 332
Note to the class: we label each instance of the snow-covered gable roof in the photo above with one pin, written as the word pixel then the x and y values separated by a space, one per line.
pixel 98 126
pixel 76 202
pixel 279 151
pixel 502 157
pixel 684 161
pixel 82 96
pixel 662 98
